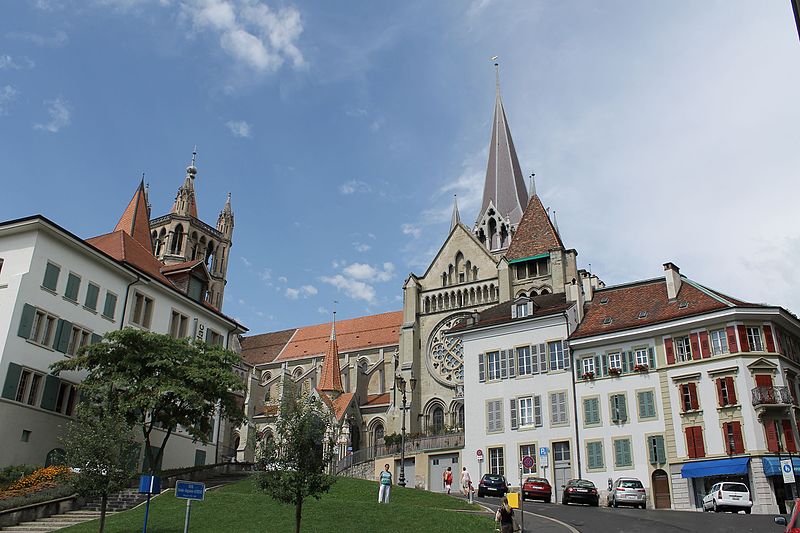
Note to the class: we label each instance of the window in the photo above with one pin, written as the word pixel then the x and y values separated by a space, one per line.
pixel 538 416
pixel 496 462
pixel 694 442
pixel 615 360
pixel 683 349
pixel 754 339
pixel 719 342
pixel 178 325
pixel 494 416
pixel 110 306
pixel 43 328
pixel 215 339
pixel 726 391
pixel 561 451
pixel 591 411
pixel 522 310
pixel 92 292
pixel 524 361
pixel 526 411
pixel 142 310
pixel 587 365
pixel 528 450
pixel 732 432
pixel 51 273
pixel 533 269
pixel 656 449
pixel 73 286
pixel 195 290
pixel 558 408
pixel 594 455
pixel 622 453
pixel 438 419
pixel 28 387
pixel 619 408
pixel 65 401
pixel 78 338
pixel 642 358
pixel 647 404
pixel 557 359
pixel 493 360
pixel 689 397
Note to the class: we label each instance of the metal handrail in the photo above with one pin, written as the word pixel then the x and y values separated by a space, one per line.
pixel 771 396
pixel 419 444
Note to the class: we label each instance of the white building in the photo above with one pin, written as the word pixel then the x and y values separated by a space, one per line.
pixel 59 292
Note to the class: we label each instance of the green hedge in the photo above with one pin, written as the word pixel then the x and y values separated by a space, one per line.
pixel 37 497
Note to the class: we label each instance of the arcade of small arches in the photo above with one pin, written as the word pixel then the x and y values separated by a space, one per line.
pixel 462 297
pixel 534 292
pixel 438 418
pixel 459 271
pixel 178 242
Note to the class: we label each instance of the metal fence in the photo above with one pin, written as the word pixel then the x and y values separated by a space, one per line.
pixel 419 444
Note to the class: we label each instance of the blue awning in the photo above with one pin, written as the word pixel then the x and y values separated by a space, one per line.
pixel 718 467
pixel 772 465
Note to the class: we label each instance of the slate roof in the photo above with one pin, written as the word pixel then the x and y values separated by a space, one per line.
pixel 624 303
pixel 264 348
pixel 535 233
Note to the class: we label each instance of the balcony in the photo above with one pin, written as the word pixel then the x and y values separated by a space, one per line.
pixel 413 445
pixel 766 397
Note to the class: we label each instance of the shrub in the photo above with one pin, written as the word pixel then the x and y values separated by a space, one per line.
pixel 43 495
pixel 10 474
pixel 43 478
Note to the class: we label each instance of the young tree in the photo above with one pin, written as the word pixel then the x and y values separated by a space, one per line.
pixel 157 382
pixel 99 443
pixel 295 459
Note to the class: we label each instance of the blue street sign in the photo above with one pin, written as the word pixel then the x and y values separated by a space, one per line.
pixel 543 451
pixel 190 490
pixel 149 484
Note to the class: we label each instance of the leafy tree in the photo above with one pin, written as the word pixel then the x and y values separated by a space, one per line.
pixel 295 459
pixel 158 382
pixel 98 443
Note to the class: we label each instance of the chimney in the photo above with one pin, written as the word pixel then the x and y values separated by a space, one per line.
pixel 588 289
pixel 575 294
pixel 673 280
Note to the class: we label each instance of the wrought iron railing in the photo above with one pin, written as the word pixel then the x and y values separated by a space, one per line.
pixel 771 396
pixel 418 444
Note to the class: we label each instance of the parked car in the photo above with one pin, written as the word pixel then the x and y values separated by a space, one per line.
pixel 493 484
pixel 537 488
pixel 580 491
pixel 792 525
pixel 728 496
pixel 627 491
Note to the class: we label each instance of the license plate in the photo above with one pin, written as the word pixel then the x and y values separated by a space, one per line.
pixel 583 490
pixel 736 498
pixel 630 496
pixel 536 487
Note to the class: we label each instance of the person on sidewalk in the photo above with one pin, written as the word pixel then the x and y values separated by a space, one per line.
pixel 505 515
pixel 466 482
pixel 385 479
pixel 448 479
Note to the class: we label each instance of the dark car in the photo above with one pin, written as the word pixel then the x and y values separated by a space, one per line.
pixel 492 484
pixel 580 491
pixel 537 488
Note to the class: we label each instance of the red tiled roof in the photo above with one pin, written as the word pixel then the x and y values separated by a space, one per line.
pixel 339 405
pixel 376 400
pixel 352 334
pixel 124 248
pixel 177 267
pixel 331 379
pixel 625 302
pixel 535 233
pixel 134 220
pixel 264 348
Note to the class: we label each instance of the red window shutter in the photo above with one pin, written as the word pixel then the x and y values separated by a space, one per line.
pixel 731 391
pixel 788 434
pixel 732 346
pixel 720 398
pixel 705 349
pixel 699 447
pixel 772 435
pixel 768 338
pixel 738 441
pixel 745 346
pixel 690 451
pixel 763 380
pixel 693 395
pixel 670 351
pixel 694 339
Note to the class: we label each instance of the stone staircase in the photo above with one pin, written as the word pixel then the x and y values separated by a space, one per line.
pixel 119 501
pixel 53 523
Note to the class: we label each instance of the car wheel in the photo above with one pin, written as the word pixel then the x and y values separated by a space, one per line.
pixel 564 500
pixel 596 503
pixel 714 506
pixel 747 511
pixel 644 506
pixel 614 503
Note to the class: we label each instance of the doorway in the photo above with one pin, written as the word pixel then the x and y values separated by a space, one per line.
pixel 661 497
pixel 562 465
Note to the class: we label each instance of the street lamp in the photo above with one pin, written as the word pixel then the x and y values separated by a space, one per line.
pixel 400 383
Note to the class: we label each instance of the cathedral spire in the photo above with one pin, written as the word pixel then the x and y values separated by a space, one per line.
pixel 185 202
pixel 134 220
pixel 225 219
pixel 455 219
pixel 504 186
pixel 331 380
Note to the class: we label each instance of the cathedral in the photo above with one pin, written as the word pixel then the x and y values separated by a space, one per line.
pixel 513 248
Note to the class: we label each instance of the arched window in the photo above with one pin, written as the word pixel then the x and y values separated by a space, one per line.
pixel 378 433
pixel 177 240
pixel 154 241
pixel 438 419
pixel 162 240
pixel 460 416
pixel 210 255
pixel 56 456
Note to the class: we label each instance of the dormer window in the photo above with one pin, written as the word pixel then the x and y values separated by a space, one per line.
pixel 642 314
pixel 196 289
pixel 608 320
pixel 522 310
pixel 604 300
pixel 683 305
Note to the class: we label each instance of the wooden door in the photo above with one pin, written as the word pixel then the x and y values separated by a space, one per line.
pixel 660 487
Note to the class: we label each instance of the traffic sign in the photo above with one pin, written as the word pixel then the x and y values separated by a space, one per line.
pixel 543 451
pixel 190 490
pixel 787 470
pixel 479 453
pixel 527 461
pixel 149 484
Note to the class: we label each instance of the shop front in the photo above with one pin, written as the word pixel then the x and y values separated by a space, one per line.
pixel 704 474
pixel 783 492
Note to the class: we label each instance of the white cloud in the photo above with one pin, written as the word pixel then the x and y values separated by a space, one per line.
pixel 8 94
pixel 322 310
pixel 8 62
pixel 283 279
pixel 305 291
pixel 239 128
pixel 361 247
pixel 365 272
pixel 357 112
pixel 308 290
pixel 257 36
pixel 358 290
pixel 55 40
pixel 292 294
pixel 354 186
pixel 60 116
pixel 411 229
pixel 246 262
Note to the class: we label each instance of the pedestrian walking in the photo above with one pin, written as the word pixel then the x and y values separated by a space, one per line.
pixel 466 482
pixel 448 479
pixel 385 479
pixel 505 515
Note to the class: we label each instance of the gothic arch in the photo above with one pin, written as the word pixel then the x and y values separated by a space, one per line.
pixel 297 373
pixel 434 414
pixel 177 239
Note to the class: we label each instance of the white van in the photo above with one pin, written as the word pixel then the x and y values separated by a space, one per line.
pixel 728 496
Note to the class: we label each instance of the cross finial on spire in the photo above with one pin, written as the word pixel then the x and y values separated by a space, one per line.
pixel 496 72
pixel 191 170
pixel 333 324
pixel 194 154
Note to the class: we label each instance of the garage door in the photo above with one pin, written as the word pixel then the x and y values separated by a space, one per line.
pixel 437 464
pixel 410 479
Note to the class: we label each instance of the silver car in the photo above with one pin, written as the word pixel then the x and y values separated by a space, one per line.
pixel 627 491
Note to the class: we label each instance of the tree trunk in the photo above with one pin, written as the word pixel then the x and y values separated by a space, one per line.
pixel 103 505
pixel 298 512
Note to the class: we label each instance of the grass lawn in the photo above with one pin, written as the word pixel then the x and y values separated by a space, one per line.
pixel 351 506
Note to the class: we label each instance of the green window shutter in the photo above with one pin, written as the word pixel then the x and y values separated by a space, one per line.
pixel 597 365
pixel 73 286
pixel 513 407
pixel 652 357
pixel 646 406
pixel 661 452
pixel 481 368
pixel 651 450
pixel 92 292
pixel 587 414
pixel 626 452
pixel 604 362
pixel 50 394
pixel 51 273
pixel 110 305
pixel 26 321
pixel 208 335
pixel 618 453
pixel 512 370
pixel 61 338
pixel 623 408
pixel 12 380
pixel 199 457
pixel 624 357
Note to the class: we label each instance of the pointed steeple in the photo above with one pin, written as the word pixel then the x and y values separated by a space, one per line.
pixel 536 233
pixel 134 220
pixel 331 380
pixel 455 219
pixel 225 219
pixel 185 202
pixel 504 186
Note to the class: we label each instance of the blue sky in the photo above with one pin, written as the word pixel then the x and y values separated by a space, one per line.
pixel 658 131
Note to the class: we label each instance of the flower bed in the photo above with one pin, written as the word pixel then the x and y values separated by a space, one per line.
pixel 41 479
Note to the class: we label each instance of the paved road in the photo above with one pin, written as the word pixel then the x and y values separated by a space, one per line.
pixel 623 520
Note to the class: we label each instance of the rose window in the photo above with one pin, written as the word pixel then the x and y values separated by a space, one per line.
pixel 446 354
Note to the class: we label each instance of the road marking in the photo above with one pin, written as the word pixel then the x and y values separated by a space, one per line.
pixel 557 521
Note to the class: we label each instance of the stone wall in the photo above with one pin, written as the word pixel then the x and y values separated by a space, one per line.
pixel 365 470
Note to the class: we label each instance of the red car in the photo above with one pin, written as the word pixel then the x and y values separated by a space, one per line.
pixel 537 488
pixel 793 525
